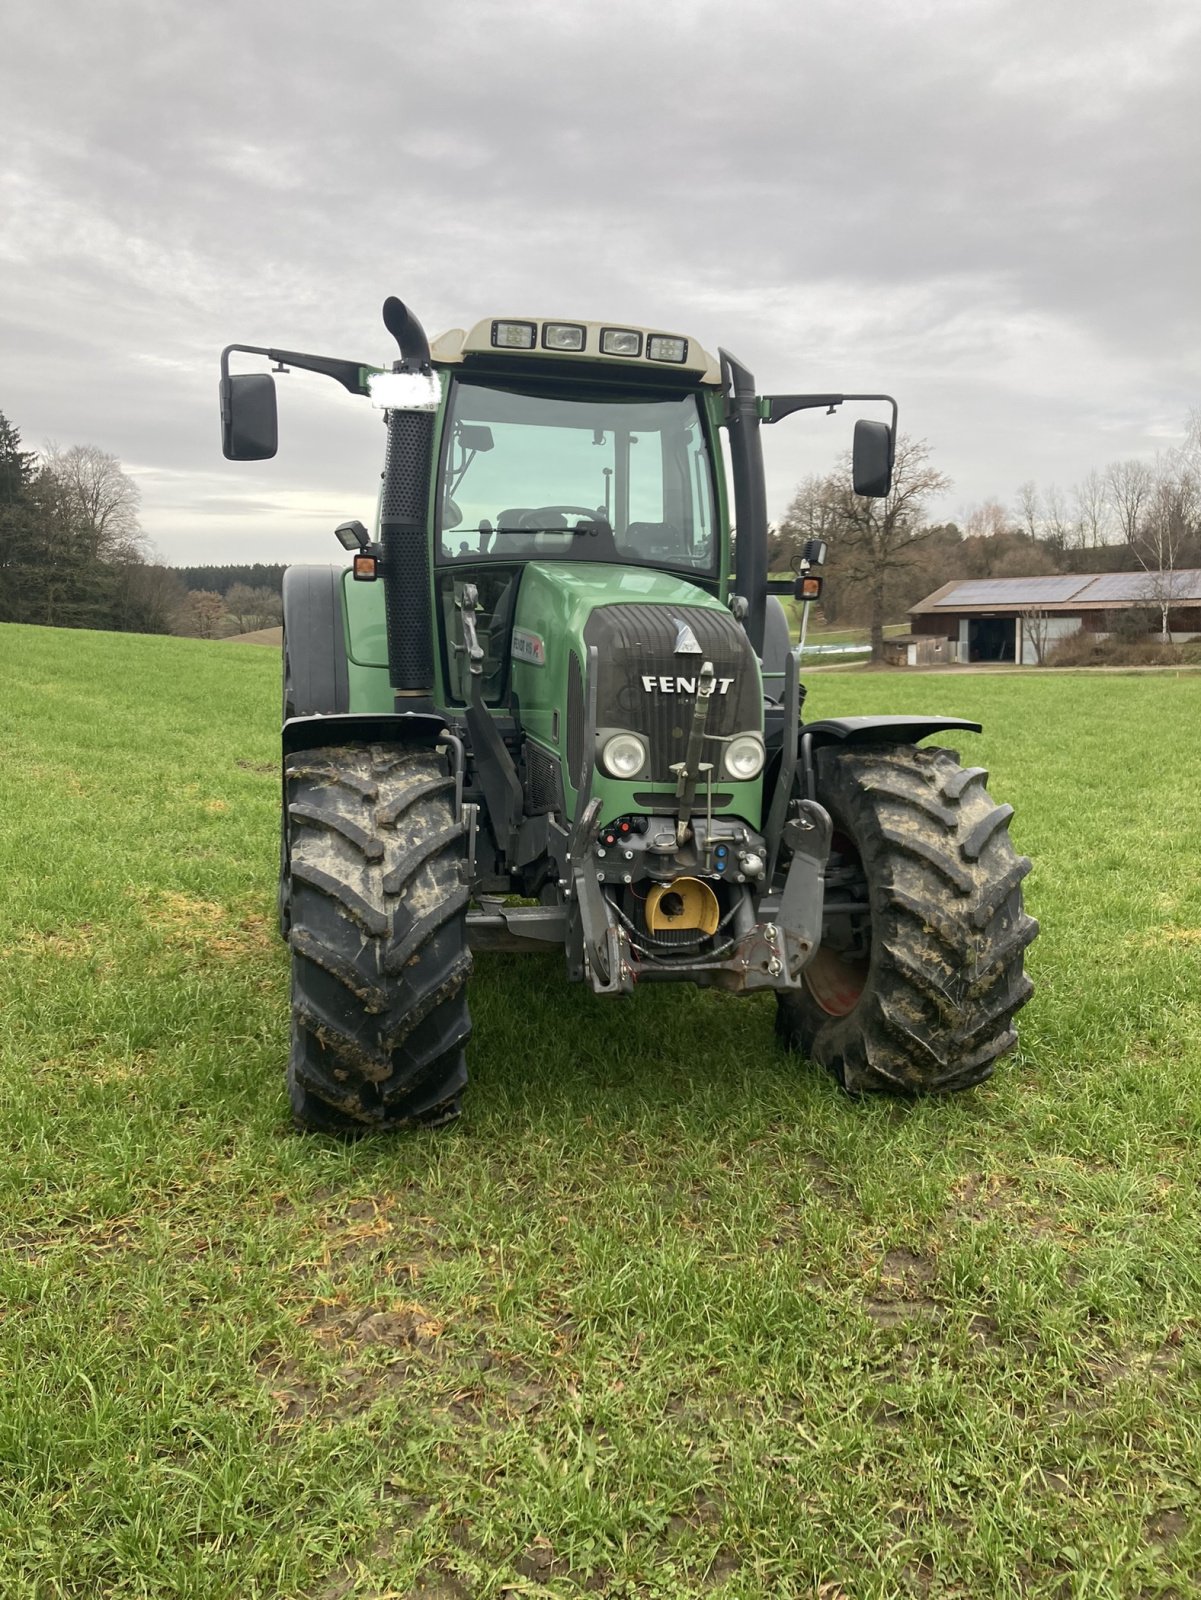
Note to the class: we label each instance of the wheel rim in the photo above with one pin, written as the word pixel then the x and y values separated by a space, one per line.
pixel 837 978
pixel 836 983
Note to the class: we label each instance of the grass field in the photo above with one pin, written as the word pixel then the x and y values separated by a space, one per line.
pixel 665 1315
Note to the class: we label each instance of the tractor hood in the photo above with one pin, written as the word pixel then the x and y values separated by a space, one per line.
pixel 652 634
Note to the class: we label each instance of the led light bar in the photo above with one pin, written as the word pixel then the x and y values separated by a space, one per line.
pixel 514 335
pixel 666 347
pixel 621 342
pixel 563 336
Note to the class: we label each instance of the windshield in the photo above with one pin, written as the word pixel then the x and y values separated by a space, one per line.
pixel 587 479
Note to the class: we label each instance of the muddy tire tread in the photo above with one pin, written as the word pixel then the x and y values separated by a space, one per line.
pixel 378 937
pixel 949 930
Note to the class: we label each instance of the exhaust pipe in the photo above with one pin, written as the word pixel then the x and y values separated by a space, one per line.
pixel 404 517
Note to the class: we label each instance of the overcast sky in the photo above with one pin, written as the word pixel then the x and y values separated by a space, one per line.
pixel 989 208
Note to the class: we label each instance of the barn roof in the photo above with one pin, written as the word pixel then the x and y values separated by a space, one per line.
pixel 1071 593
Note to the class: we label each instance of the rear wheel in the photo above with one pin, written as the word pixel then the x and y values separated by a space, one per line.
pixel 915 986
pixel 378 907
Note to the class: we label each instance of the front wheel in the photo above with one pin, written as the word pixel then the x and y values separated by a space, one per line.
pixel 920 973
pixel 378 930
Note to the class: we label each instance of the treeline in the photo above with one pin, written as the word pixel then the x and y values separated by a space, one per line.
pixel 220 580
pixel 72 553
pixel 885 555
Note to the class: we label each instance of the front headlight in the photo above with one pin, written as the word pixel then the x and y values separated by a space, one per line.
pixel 744 757
pixel 624 755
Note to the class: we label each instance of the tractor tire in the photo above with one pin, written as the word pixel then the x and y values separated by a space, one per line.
pixel 378 931
pixel 918 994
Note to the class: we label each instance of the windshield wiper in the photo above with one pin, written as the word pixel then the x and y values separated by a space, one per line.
pixel 581 532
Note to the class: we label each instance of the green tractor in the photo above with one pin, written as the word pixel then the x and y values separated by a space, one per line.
pixel 539 710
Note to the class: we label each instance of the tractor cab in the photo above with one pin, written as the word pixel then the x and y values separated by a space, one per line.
pixel 536 467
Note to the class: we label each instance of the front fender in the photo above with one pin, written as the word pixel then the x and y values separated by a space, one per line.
pixel 406 727
pixel 881 730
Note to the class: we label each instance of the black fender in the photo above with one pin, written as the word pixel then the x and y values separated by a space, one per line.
pixel 380 727
pixel 316 733
pixel 777 642
pixel 881 730
pixel 316 677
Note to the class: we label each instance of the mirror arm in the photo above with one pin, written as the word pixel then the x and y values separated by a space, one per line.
pixel 351 375
pixel 779 406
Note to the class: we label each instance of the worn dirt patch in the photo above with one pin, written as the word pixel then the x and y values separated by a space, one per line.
pixel 187 921
pixel 978 1195
pixel 1164 938
pixel 65 943
pixel 906 1267
pixel 1165 1528
pixel 898 1293
pixel 892 1313
pixel 404 1325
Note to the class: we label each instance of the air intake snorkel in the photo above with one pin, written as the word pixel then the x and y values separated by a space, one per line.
pixel 409 394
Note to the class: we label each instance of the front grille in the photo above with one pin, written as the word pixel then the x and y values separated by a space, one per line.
pixel 543 790
pixel 634 642
pixel 664 801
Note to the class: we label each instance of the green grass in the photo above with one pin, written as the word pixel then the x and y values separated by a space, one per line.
pixel 665 1315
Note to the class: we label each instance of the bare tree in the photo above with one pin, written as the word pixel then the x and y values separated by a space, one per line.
pixel 201 615
pixel 253 608
pixel 813 513
pixel 1036 628
pixel 148 599
pixel 1169 521
pixel 989 520
pixel 98 500
pixel 1091 503
pixel 1029 510
pixel 875 540
pixel 1061 530
pixel 1128 486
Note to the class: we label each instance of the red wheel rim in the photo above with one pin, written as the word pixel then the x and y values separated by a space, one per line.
pixel 837 981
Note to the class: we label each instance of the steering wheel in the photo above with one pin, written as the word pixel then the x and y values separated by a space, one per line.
pixel 539 515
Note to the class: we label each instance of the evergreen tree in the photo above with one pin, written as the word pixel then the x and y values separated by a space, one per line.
pixel 18 523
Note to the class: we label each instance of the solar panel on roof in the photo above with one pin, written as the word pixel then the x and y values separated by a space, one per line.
pixel 1013 591
pixel 1143 586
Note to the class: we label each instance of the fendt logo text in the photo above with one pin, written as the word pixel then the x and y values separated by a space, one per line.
pixel 666 685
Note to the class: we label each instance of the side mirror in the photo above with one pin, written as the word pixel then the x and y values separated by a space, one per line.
pixel 475 436
pixel 249 423
pixel 871 459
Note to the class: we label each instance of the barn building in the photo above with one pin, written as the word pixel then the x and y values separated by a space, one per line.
pixel 1019 619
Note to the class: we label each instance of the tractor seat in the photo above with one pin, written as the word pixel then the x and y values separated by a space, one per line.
pixel 654 539
pixel 508 527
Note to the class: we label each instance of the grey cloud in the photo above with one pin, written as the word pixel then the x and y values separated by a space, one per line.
pixel 989 209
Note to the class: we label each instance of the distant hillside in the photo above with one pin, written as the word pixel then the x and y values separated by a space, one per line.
pixel 273 637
